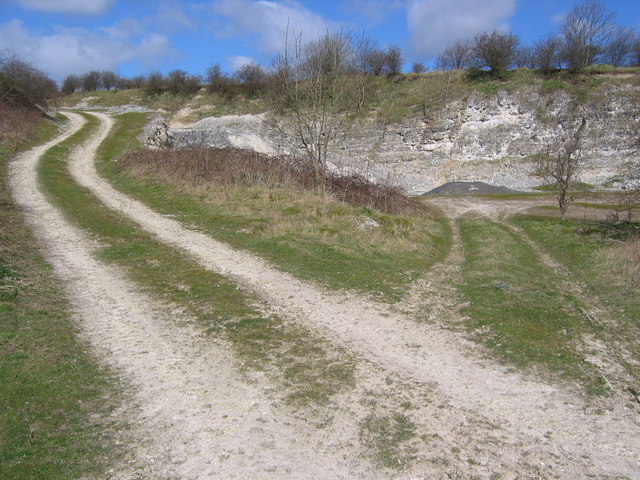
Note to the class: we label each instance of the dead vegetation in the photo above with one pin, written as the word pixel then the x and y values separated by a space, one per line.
pixel 17 124
pixel 236 167
pixel 625 259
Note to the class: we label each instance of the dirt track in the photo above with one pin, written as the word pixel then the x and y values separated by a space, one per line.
pixel 476 408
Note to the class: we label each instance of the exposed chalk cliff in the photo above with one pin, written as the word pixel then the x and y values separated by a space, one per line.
pixel 487 138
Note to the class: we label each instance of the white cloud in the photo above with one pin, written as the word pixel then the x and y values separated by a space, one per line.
pixel 436 24
pixel 375 11
pixel 76 50
pixel 84 7
pixel 239 61
pixel 268 21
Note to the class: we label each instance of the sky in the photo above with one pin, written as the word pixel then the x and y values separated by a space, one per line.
pixel 63 37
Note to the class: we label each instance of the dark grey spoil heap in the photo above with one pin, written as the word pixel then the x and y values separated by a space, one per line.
pixel 462 188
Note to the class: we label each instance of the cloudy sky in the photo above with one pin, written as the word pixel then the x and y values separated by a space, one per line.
pixel 131 37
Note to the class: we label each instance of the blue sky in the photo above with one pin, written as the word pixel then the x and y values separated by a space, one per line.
pixel 62 37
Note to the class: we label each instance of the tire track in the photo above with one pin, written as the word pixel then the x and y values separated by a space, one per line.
pixel 550 423
pixel 190 415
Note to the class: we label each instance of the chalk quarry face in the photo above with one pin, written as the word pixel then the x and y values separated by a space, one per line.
pixel 488 138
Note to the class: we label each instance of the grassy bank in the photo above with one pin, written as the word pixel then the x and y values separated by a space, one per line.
pixel 606 264
pixel 54 395
pixel 387 98
pixel 306 232
pixel 518 307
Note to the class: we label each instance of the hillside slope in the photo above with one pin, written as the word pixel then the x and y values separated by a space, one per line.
pixel 421 131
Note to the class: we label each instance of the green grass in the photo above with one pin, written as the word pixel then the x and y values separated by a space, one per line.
pixel 388 439
pixel 585 255
pixel 309 372
pixel 518 308
pixel 308 234
pixel 54 397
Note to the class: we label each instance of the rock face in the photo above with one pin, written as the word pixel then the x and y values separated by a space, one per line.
pixel 488 138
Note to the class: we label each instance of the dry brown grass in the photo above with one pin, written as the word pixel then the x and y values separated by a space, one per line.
pixel 17 125
pixel 227 167
pixel 625 258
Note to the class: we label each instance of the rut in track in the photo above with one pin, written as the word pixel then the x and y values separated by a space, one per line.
pixel 191 416
pixel 551 424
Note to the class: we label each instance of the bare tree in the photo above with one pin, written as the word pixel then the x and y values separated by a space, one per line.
pixel 376 61
pixel 546 53
pixel 137 81
pixel 418 67
pixel 523 57
pixel 21 85
pixel 629 196
pixel 494 50
pixel 560 166
pixel 108 79
pixel 394 60
pixel 91 81
pixel 317 88
pixel 215 78
pixel 635 56
pixel 253 76
pixel 176 80
pixel 154 84
pixel 586 30
pixel 373 60
pixel 456 57
pixel 70 84
pixel 618 52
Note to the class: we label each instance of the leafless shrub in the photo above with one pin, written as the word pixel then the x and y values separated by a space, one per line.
pixel 559 167
pixel 455 57
pixel 635 54
pixel 494 50
pixel 618 52
pixel 21 85
pixel 586 29
pixel 225 167
pixel 546 53
pixel 418 67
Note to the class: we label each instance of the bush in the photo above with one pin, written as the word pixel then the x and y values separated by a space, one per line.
pixel 494 51
pixel 21 85
pixel 227 166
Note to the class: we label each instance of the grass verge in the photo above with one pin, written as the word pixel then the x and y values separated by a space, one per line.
pixel 307 233
pixel 606 267
pixel 518 308
pixel 54 395
pixel 307 369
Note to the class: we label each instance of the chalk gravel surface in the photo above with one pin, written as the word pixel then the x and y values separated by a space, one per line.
pixel 191 415
pixel 198 420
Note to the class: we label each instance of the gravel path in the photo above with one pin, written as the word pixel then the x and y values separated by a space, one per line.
pixel 191 415
pixel 546 422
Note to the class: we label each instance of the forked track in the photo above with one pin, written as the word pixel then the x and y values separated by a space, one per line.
pixel 544 420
